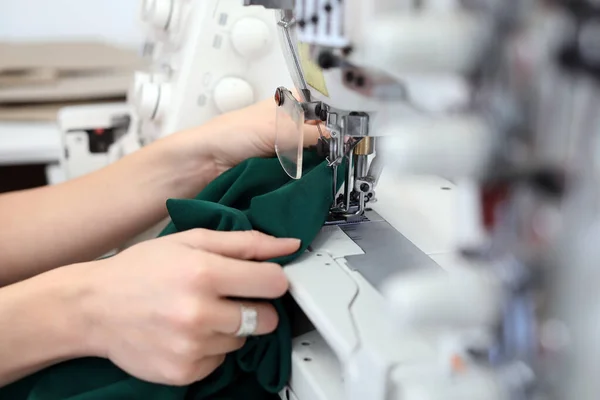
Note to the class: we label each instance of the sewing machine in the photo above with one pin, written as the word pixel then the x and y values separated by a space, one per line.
pixel 354 350
pixel 204 58
pixel 208 58
pixel 387 320
pixel 196 48
pixel 407 285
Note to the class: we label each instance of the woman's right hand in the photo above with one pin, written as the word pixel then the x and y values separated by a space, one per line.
pixel 161 310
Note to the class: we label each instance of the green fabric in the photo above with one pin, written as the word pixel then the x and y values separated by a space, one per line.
pixel 258 195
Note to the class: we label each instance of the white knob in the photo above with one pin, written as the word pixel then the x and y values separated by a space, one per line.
pixel 157 13
pixel 250 37
pixel 146 100
pixel 232 94
pixel 163 101
pixel 139 78
pixel 152 99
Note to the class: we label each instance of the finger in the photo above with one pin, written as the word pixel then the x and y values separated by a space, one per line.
pixel 208 365
pixel 312 133
pixel 245 245
pixel 223 344
pixel 228 317
pixel 246 279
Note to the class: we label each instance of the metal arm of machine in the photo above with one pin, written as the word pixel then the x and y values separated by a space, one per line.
pixel 273 4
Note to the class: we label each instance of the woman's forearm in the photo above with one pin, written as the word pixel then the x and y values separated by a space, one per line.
pixel 82 219
pixel 41 324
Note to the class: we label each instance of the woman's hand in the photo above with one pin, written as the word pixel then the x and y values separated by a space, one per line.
pixel 161 309
pixel 250 132
pixel 231 138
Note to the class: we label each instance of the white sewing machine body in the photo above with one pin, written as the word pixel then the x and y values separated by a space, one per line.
pixel 206 58
pixel 355 349
pixel 336 284
pixel 210 57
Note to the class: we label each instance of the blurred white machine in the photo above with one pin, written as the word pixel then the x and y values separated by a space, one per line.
pixel 389 323
pixel 94 136
pixel 355 349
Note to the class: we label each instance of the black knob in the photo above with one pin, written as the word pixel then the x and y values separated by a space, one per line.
pixel 327 60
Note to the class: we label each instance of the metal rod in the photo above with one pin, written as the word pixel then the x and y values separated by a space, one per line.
pixel 334 188
pixel 361 166
pixel 349 183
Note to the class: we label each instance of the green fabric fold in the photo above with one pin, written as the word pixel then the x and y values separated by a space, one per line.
pixel 256 194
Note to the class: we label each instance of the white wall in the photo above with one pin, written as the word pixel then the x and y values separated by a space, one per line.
pixel 115 21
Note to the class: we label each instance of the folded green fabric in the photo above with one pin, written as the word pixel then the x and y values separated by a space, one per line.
pixel 256 194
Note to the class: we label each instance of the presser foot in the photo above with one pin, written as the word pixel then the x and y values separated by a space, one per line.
pixel 341 213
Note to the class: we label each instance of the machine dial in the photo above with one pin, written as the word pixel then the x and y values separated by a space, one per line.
pixel 157 13
pixel 163 101
pixel 233 93
pixel 152 99
pixel 146 99
pixel 139 79
pixel 250 37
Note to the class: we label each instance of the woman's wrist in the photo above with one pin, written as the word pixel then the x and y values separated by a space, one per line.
pixel 62 293
pixel 73 287
pixel 185 159
pixel 43 322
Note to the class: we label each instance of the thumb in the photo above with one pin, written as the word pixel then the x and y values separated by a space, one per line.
pixel 245 245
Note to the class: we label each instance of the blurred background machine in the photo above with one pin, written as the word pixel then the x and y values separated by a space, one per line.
pixel 187 62
pixel 54 55
pixel 514 316
pixel 39 79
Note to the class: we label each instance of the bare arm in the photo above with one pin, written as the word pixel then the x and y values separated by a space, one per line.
pixel 128 308
pixel 41 323
pixel 82 219
pixel 99 308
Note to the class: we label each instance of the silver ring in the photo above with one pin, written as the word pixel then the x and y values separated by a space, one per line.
pixel 249 322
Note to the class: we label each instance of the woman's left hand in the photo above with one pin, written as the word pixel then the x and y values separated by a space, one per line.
pixel 231 138
pixel 250 132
